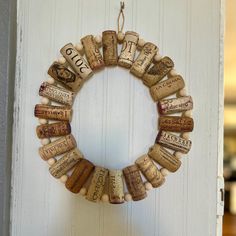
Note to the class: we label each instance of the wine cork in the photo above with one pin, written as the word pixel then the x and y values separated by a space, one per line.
pixel 79 176
pixel 65 77
pixel 164 158
pixel 56 94
pixel 176 123
pixel 158 71
pixel 173 142
pixel 174 105
pixel 58 147
pixel 109 46
pixel 134 182
pixel 63 113
pixel 53 130
pixel 116 188
pixel 128 50
pixel 167 87
pixel 150 171
pixel 76 61
pixel 144 59
pixel 97 184
pixel 65 163
pixel 92 52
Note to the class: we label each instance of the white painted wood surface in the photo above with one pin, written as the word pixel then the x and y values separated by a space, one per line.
pixel 115 120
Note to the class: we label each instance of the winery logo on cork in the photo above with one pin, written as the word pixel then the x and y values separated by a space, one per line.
pixel 78 63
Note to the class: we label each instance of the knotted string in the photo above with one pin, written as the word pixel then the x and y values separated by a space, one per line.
pixel 121 17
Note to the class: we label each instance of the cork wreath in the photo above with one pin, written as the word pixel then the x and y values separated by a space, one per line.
pixel 69 73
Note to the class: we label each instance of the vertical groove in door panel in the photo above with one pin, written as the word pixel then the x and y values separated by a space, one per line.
pixel 174 40
pixel 188 79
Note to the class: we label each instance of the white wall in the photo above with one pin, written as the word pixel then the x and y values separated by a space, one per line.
pixel 115 120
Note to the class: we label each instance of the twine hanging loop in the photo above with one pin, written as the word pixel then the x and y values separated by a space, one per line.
pixel 121 17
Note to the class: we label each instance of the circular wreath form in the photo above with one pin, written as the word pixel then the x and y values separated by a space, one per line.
pixel 68 74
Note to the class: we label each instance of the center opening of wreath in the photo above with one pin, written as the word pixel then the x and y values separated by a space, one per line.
pixel 110 114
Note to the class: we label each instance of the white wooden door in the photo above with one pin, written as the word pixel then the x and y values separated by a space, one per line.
pixel 115 119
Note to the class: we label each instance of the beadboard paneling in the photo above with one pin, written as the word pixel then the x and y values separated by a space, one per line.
pixel 115 119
